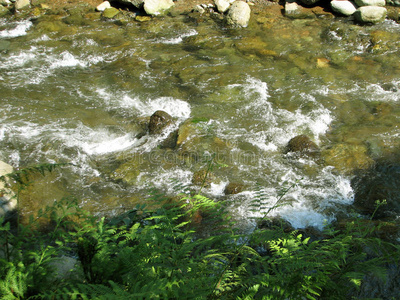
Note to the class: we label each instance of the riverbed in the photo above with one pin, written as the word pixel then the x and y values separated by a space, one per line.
pixel 81 90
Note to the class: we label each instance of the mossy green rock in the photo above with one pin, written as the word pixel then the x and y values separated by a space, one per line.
pixel 50 26
pixel 379 183
pixel 129 171
pixel 4 11
pixel 110 13
pixel 347 158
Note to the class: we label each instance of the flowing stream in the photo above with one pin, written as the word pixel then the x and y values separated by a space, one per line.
pixel 81 94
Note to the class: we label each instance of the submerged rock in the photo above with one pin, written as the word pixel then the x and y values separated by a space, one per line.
pixel 238 14
pixel 346 8
pixel 370 14
pixel 347 158
pixel 158 121
pixel 296 11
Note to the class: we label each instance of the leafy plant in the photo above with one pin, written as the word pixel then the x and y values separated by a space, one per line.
pixel 184 247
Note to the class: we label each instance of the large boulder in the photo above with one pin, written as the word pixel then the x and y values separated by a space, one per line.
pixel 346 8
pixel 223 5
pixel 22 4
pixel 158 121
pixel 8 202
pixel 370 14
pixel 382 182
pixel 157 7
pixel 238 14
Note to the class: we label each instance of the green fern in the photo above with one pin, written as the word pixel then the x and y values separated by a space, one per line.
pixel 14 285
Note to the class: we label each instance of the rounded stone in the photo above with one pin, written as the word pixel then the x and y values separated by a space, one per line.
pixel 302 144
pixel 238 14
pixel 158 121
pixel 22 4
pixel 346 8
pixel 371 14
pixel 110 12
pixel 233 188
pixel 157 7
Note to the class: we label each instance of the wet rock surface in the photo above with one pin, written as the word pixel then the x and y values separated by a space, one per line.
pixel 378 184
pixel 302 144
pixel 234 188
pixel 159 121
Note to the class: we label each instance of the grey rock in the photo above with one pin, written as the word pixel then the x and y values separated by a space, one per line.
pixel 371 14
pixel 239 14
pixel 157 7
pixel 346 8
pixel 22 4
pixel 223 5
pixel 102 6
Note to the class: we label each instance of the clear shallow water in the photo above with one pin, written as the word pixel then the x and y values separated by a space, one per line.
pixel 82 94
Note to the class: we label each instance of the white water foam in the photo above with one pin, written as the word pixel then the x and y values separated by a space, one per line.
pixel 175 107
pixel 179 38
pixel 98 141
pixel 32 66
pixel 316 195
pixel 163 180
pixel 21 28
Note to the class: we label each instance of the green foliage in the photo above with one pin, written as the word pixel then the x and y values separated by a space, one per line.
pixel 183 248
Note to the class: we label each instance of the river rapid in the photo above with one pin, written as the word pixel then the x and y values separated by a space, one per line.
pixel 79 90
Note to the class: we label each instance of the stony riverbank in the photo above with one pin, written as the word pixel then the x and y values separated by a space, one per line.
pixel 360 11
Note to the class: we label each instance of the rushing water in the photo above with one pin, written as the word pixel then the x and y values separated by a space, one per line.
pixel 81 94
